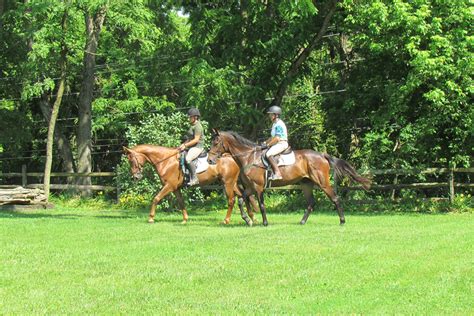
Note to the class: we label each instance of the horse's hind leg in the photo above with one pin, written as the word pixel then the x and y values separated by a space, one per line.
pixel 330 193
pixel 229 192
pixel 321 178
pixel 263 210
pixel 308 194
pixel 181 205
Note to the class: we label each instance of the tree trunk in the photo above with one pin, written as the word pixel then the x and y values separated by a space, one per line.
pixel 303 54
pixel 84 133
pixel 62 142
pixel 55 111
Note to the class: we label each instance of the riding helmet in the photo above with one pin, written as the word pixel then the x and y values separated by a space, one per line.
pixel 274 110
pixel 194 112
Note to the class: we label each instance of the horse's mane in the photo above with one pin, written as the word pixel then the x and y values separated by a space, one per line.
pixel 242 139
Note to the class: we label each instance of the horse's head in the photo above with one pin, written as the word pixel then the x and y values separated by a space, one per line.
pixel 218 147
pixel 136 160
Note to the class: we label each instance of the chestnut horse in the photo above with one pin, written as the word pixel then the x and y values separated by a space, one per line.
pixel 166 163
pixel 310 168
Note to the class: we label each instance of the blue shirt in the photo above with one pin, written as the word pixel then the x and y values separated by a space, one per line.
pixel 279 129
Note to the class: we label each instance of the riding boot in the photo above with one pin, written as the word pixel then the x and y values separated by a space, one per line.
pixel 276 171
pixel 193 180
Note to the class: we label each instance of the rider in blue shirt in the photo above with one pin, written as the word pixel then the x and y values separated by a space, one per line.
pixel 278 142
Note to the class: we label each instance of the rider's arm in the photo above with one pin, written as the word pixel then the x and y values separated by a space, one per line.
pixel 275 139
pixel 272 141
pixel 193 141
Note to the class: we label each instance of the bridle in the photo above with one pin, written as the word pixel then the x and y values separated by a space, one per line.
pixel 139 166
pixel 138 174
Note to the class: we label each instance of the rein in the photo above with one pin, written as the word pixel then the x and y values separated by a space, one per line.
pixel 246 167
pixel 159 161
pixel 168 157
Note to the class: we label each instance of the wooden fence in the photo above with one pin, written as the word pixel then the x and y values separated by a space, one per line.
pixel 449 183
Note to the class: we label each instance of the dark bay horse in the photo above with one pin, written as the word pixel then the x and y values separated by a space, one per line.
pixel 166 163
pixel 310 168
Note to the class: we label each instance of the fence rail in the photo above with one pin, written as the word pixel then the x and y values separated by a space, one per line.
pixel 450 183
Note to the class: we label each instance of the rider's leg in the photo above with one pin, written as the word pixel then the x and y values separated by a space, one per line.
pixel 275 150
pixel 276 171
pixel 193 153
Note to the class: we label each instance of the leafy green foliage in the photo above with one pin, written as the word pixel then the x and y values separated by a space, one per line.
pixel 414 88
pixel 389 86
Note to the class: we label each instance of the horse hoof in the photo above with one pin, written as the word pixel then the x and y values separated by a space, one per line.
pixel 151 221
pixel 342 222
pixel 303 222
pixel 184 222
pixel 226 222
pixel 265 223
pixel 250 223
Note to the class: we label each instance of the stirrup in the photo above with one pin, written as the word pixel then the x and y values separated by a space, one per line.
pixel 194 181
pixel 276 177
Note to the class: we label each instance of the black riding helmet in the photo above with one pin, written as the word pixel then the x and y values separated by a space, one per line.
pixel 194 112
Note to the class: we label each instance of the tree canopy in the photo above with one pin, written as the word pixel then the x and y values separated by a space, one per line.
pixel 384 83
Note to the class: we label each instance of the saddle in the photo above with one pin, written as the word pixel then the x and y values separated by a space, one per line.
pixel 200 162
pixel 285 158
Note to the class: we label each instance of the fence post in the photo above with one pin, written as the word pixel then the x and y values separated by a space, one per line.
pixel 451 185
pixel 117 190
pixel 395 182
pixel 24 178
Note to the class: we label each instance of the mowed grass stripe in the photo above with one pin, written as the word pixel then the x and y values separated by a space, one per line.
pixel 111 261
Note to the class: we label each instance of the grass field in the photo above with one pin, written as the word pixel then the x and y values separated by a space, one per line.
pixel 109 261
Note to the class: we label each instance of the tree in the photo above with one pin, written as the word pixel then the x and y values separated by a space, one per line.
pixel 412 89
pixel 303 54
pixel 57 104
pixel 94 19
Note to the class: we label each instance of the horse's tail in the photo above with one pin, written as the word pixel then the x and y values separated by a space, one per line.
pixel 343 168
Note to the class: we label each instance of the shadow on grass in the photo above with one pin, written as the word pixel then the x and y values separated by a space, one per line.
pixel 204 213
pixel 37 215
pixel 295 204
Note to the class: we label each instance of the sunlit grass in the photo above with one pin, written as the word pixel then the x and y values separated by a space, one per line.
pixel 108 260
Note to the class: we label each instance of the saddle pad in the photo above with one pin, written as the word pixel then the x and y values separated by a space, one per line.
pixel 202 164
pixel 282 160
pixel 288 159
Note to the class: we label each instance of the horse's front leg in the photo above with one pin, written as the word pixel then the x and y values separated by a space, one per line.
pixel 244 216
pixel 252 206
pixel 163 192
pixel 181 205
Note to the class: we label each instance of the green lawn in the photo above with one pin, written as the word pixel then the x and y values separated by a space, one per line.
pixel 73 260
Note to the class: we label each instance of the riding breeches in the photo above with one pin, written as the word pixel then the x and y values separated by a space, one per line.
pixel 193 153
pixel 279 147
